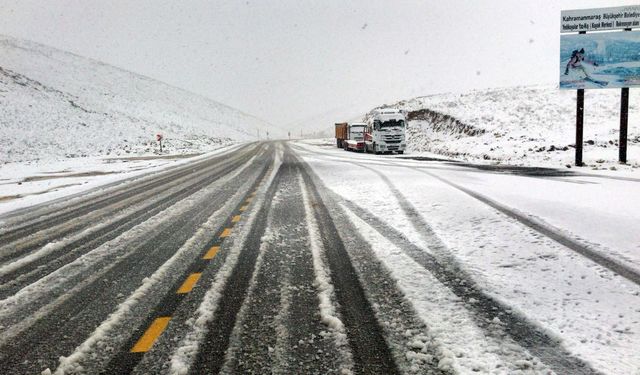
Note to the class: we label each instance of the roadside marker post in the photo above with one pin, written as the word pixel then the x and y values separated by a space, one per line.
pixel 159 138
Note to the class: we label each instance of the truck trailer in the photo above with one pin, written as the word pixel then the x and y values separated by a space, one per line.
pixel 342 133
pixel 355 137
pixel 350 136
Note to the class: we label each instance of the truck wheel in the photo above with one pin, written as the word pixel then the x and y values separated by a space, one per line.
pixel 375 151
pixel 400 152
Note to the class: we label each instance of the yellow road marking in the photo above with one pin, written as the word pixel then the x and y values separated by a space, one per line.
pixel 249 200
pixel 151 335
pixel 243 208
pixel 225 233
pixel 211 253
pixel 235 219
pixel 189 283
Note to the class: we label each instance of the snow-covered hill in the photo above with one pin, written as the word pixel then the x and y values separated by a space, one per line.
pixel 55 104
pixel 521 125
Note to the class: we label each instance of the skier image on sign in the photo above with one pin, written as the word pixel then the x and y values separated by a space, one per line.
pixel 578 71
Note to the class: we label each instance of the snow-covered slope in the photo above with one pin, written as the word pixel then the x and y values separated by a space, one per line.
pixel 55 104
pixel 521 125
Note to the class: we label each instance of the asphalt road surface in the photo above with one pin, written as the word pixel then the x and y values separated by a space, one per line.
pixel 240 263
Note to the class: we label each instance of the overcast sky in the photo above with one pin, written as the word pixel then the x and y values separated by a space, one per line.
pixel 293 62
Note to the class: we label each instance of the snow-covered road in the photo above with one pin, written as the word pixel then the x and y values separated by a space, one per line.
pixel 544 249
pixel 300 258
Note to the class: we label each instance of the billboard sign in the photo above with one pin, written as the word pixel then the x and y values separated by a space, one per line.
pixel 600 60
pixel 600 19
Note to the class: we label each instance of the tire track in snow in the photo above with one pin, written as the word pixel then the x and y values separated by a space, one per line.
pixel 203 348
pixel 548 231
pixel 96 351
pixel 368 345
pixel 278 327
pixel 406 333
pixel 484 307
pixel 151 197
pixel 20 273
pixel 539 226
pixel 90 303
pixel 91 202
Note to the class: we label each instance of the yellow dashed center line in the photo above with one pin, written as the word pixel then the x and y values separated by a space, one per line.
pixel 189 283
pixel 225 233
pixel 249 200
pixel 151 335
pixel 235 219
pixel 243 208
pixel 211 253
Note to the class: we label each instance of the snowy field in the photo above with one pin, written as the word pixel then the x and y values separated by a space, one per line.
pixel 442 210
pixel 56 105
pixel 522 126
pixel 68 123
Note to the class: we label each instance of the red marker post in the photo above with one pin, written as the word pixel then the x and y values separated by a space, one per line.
pixel 159 138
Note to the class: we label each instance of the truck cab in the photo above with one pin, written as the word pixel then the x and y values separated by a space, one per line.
pixel 385 132
pixel 355 140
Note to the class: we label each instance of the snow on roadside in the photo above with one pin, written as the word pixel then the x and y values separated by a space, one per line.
pixel 326 296
pixel 185 353
pixel 521 126
pixel 28 184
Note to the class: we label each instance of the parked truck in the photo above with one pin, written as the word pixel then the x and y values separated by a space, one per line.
pixel 385 132
pixel 350 136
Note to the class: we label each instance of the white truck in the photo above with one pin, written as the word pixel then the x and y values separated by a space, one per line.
pixel 385 132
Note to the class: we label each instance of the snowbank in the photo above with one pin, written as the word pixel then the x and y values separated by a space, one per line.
pixel 522 126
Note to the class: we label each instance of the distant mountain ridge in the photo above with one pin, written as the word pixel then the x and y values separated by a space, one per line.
pixel 55 104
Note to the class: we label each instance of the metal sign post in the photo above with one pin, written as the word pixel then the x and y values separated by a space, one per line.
pixel 579 126
pixel 579 122
pixel 624 119
pixel 624 123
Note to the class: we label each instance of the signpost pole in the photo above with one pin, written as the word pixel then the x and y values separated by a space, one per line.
pixel 579 126
pixel 624 123
pixel 579 122
pixel 624 119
